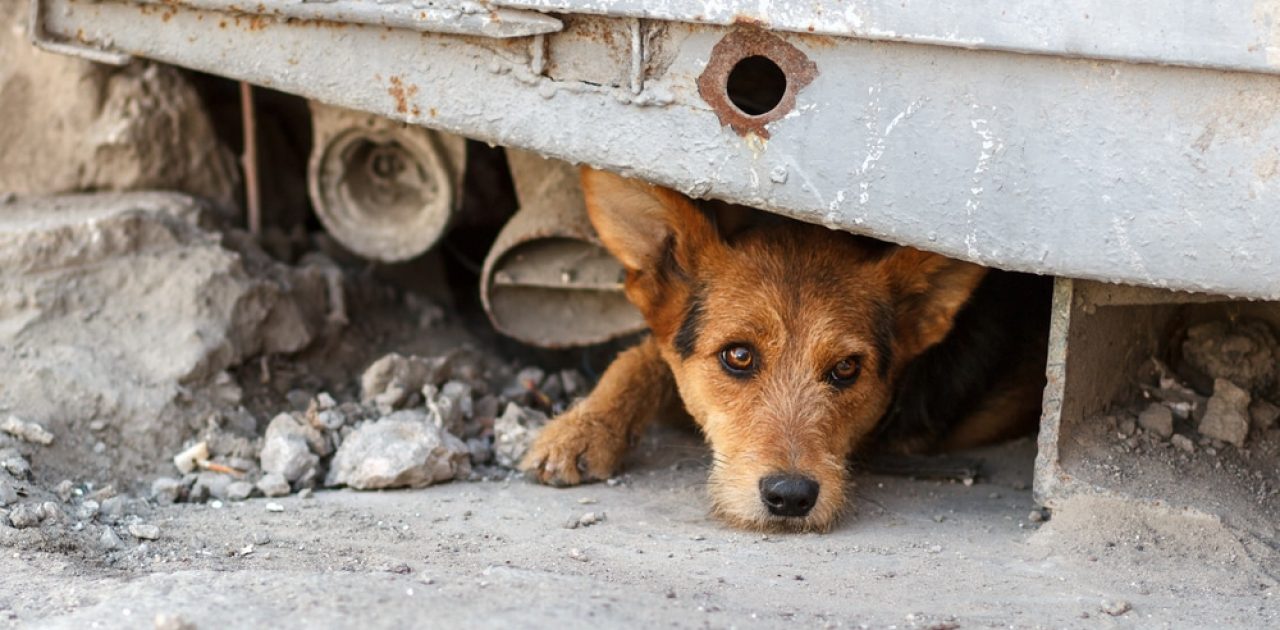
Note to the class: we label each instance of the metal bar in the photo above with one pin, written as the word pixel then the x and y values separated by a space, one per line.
pixel 1227 34
pixel 1138 174
pixel 437 16
pixel 249 161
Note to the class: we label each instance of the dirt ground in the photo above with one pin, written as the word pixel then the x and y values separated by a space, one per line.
pixel 916 554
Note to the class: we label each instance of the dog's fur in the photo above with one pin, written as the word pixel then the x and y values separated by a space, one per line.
pixel 943 354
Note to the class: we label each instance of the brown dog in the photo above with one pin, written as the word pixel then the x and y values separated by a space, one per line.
pixel 792 346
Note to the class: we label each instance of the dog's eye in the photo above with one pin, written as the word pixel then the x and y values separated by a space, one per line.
pixel 738 360
pixel 846 371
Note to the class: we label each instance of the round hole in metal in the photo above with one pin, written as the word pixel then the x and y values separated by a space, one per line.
pixel 756 85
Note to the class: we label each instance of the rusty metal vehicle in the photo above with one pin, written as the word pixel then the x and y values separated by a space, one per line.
pixel 1135 143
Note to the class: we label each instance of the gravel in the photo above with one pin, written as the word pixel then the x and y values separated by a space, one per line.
pixel 144 531
pixel 26 515
pixel 28 431
pixel 1157 419
pixel 285 449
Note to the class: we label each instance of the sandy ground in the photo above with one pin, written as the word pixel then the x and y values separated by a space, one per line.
pixel 917 554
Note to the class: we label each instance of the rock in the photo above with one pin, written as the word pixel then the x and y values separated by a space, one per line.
pixel 88 509
pixel 188 459
pixel 8 495
pixel 1183 443
pixel 574 383
pixel 1243 351
pixel 1126 426
pixel 272 506
pixel 109 540
pixel 1227 416
pixel 113 508
pixel 481 450
pixel 144 531
pixel 450 406
pixel 285 450
pixel 26 515
pixel 273 485
pixel 400 450
pixel 1263 414
pixel 389 380
pixel 514 432
pixel 90 126
pixel 51 511
pixel 28 431
pixel 239 490
pixel 14 463
pixel 126 310
pixel 172 622
pixel 486 408
pixel 1157 419
pixel 1115 608
pixel 211 484
pixel 65 490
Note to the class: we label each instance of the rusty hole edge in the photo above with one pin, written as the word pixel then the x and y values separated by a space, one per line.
pixel 732 49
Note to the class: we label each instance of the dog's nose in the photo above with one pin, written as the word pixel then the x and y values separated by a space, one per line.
pixel 788 495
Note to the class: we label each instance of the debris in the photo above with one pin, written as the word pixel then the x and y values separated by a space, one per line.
pixel 514 433
pixel 144 531
pixel 576 554
pixel 190 458
pixel 26 515
pixel 109 540
pixel 285 450
pixel 1263 414
pixel 172 622
pixel 8 496
pixel 65 490
pixel 1183 442
pixel 1115 608
pixel 210 485
pixel 28 431
pixel 586 520
pixel 1241 351
pixel 14 463
pixel 400 450
pixel 272 506
pixel 389 380
pixel 239 490
pixel 167 490
pixel 1157 419
pixel 1227 416
pixel 273 485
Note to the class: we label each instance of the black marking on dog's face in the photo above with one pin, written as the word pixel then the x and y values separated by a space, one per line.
pixel 686 340
pixel 883 332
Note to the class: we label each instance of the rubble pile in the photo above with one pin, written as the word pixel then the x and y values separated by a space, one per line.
pixel 417 421
pixel 1221 392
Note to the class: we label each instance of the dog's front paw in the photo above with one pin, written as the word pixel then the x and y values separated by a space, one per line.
pixel 576 448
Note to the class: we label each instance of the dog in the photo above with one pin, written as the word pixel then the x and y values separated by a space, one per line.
pixel 793 346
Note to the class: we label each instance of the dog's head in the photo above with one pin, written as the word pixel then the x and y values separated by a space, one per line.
pixel 784 340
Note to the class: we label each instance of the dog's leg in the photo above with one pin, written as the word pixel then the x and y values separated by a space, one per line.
pixel 588 442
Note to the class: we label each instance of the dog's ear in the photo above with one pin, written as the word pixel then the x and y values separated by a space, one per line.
pixel 646 227
pixel 928 291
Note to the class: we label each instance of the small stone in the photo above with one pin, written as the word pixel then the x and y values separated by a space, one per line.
pixel 576 554
pixel 260 538
pixel 514 433
pixel 211 485
pixel 189 459
pixel 239 490
pixel 285 449
pixel 97 425
pixel 167 490
pixel 1157 419
pixel 14 463
pixel 1038 515
pixel 1263 414
pixel 165 621
pixel 1227 416
pixel 8 495
pixel 273 485
pixel 144 531
pixel 325 401
pixel 88 509
pixel 574 383
pixel 481 450
pixel 389 380
pixel 1126 427
pixel 274 507
pixel 26 515
pixel 113 508
pixel 590 518
pixel 109 540
pixel 52 512
pixel 1117 607
pixel 1183 442
pixel 65 490
pixel 306 493
pixel 27 431
pixel 400 450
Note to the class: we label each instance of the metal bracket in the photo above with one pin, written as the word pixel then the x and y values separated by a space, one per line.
pixel 44 41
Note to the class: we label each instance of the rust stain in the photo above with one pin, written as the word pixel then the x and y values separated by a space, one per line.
pixel 402 93
pixel 416 112
pixel 222 24
pixel 753 42
pixel 166 16
pixel 432 112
